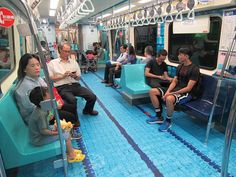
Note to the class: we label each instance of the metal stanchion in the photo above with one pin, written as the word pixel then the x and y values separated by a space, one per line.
pixel 228 138
pixel 33 29
pixel 227 57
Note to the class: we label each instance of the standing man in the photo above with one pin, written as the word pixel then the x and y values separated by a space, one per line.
pixel 65 73
pixel 181 90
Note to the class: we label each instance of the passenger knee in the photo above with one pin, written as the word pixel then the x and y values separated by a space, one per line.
pixel 170 100
pixel 153 92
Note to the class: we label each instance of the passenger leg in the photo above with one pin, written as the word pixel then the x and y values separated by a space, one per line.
pixel 170 101
pixel 71 108
pixel 89 96
pixel 156 100
pixel 110 77
pixel 106 73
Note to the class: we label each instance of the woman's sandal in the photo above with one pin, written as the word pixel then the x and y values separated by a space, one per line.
pixel 77 158
pixel 77 151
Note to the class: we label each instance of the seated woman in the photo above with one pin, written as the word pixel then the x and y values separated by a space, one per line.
pixel 39 131
pixel 116 71
pixel 28 78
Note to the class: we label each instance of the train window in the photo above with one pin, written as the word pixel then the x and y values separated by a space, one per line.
pixel 144 36
pixel 204 46
pixel 6 52
pixel 117 39
pixel 104 40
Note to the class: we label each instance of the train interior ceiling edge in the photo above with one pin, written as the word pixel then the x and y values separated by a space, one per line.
pixel 116 138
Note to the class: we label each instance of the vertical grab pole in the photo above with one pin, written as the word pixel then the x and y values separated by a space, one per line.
pixel 129 23
pixel 33 29
pixel 228 138
pixel 227 57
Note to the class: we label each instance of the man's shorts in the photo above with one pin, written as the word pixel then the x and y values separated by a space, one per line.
pixel 179 98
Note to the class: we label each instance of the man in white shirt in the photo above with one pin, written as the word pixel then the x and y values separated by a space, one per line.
pixel 65 73
pixel 123 56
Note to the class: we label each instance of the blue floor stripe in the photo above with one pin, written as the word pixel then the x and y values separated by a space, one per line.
pixel 86 162
pixel 204 157
pixel 143 156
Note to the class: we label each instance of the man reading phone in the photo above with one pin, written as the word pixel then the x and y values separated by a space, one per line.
pixel 65 73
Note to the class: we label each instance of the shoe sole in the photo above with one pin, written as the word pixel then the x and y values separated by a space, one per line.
pixel 165 129
pixel 156 122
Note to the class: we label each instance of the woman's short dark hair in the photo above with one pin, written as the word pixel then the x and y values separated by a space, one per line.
pixel 24 60
pixel 124 46
pixel 186 51
pixel 162 52
pixel 37 95
pixel 149 50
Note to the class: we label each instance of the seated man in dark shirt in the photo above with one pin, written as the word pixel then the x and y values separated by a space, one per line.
pixel 156 71
pixel 181 90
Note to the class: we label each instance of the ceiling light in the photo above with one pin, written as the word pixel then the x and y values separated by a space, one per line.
pixel 52 13
pixel 104 16
pixel 123 9
pixel 53 4
pixel 144 1
pixel 44 21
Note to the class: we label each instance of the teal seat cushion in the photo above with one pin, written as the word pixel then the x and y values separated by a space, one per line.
pixel 137 88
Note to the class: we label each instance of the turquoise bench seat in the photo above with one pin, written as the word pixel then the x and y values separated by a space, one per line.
pixel 15 147
pixel 137 88
pixel 133 85
pixel 134 79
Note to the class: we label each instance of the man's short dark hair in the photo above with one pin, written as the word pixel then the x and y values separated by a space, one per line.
pixel 186 51
pixel 162 52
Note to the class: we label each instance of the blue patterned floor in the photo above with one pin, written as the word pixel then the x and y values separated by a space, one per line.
pixel 119 143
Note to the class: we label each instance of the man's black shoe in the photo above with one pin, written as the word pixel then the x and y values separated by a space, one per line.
pixel 92 113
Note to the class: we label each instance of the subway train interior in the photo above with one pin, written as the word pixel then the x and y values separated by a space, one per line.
pixel 117 88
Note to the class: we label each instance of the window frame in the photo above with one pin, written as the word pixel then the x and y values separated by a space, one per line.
pixel 212 17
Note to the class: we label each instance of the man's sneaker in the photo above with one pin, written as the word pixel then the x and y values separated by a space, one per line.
pixel 165 126
pixel 156 120
pixel 75 135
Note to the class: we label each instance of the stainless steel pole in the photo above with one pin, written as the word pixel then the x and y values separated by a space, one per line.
pixel 227 57
pixel 33 29
pixel 228 138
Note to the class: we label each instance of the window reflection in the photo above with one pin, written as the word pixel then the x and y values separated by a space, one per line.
pixel 144 36
pixel 6 60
